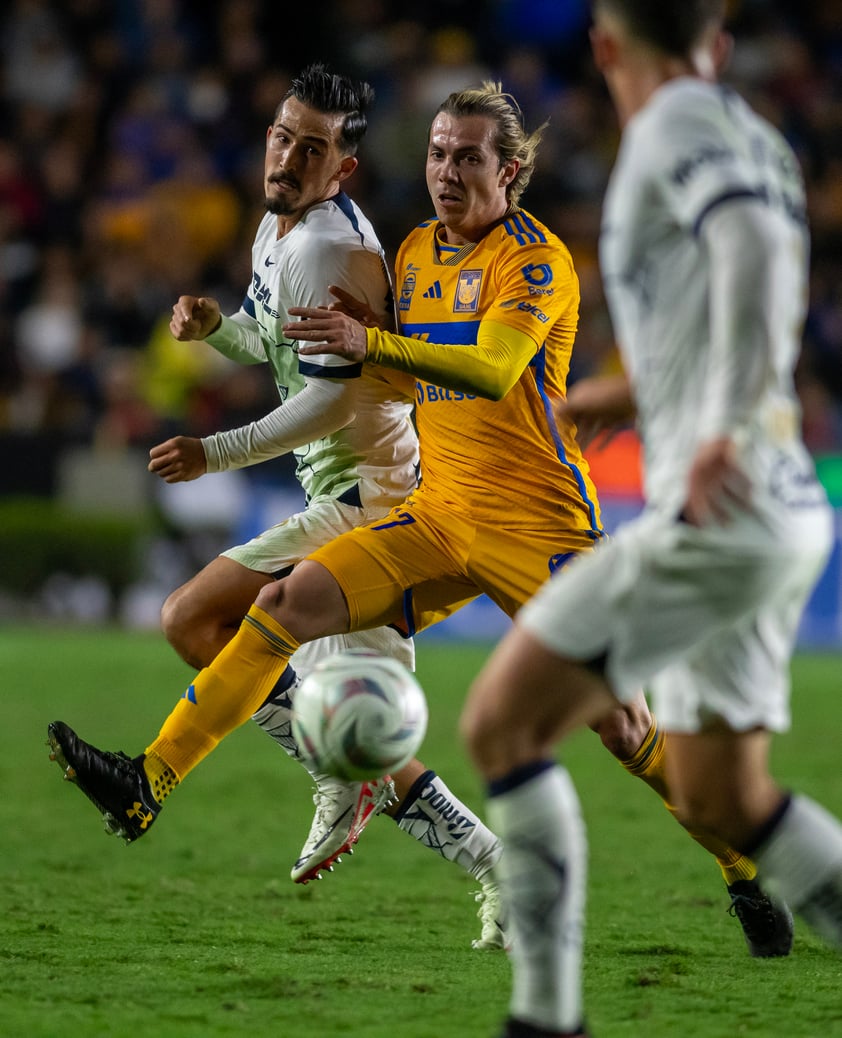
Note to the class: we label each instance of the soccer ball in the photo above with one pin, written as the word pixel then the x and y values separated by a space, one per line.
pixel 359 715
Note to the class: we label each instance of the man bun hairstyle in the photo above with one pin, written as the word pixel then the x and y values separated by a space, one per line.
pixel 331 93
pixel 511 140
pixel 673 26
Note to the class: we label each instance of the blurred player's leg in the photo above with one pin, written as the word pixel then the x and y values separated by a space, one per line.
pixel 766 922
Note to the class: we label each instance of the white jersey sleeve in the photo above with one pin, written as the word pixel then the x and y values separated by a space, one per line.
pixel 322 407
pixel 703 252
pixel 351 433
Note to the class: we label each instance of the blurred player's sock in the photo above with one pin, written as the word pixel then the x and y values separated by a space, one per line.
pixel 766 922
pixel 535 812
pixel 433 815
pixel 799 855
pixel 648 764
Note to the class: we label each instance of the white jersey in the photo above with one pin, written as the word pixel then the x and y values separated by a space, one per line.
pixel 694 150
pixel 371 460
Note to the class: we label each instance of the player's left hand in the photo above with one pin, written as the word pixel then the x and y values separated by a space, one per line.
pixel 716 483
pixel 334 331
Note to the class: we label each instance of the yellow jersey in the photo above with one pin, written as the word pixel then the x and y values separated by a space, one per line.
pixel 503 461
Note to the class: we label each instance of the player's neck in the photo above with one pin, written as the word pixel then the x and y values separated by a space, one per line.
pixel 633 84
pixel 287 221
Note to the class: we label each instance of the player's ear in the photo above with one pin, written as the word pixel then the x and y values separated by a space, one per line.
pixel 508 172
pixel 604 48
pixel 723 48
pixel 346 167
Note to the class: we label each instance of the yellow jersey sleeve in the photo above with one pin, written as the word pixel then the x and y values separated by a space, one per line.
pixel 490 370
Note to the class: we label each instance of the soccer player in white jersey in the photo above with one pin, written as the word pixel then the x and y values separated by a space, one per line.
pixel 356 453
pixel 703 254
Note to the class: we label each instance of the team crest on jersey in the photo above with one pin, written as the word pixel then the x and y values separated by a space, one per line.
pixel 467 292
pixel 407 288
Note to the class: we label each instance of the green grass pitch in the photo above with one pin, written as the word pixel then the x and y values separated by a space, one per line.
pixel 197 932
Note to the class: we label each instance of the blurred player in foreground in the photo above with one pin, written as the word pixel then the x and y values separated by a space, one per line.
pixel 488 305
pixel 704 259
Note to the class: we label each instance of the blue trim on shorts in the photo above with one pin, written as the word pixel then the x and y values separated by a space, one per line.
pixel 408 630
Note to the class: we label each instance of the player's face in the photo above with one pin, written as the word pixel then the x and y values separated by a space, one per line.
pixel 304 164
pixel 464 177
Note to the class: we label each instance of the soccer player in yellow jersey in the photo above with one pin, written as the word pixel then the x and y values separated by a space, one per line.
pixel 487 307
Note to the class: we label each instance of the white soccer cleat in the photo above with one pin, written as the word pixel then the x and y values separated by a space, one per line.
pixel 490 914
pixel 343 810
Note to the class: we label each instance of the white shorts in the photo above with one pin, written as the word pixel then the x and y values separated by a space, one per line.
pixel 706 618
pixel 280 547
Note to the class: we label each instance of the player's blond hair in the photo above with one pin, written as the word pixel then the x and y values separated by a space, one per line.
pixel 511 140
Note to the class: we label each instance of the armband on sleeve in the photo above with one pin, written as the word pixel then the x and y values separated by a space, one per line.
pixel 490 368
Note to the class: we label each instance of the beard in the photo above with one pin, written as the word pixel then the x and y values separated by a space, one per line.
pixel 279 207
pixel 282 206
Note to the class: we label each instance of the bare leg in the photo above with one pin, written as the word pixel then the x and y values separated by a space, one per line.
pixel 202 616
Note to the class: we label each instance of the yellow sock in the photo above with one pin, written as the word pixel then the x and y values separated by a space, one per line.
pixel 222 697
pixel 648 764
pixel 162 779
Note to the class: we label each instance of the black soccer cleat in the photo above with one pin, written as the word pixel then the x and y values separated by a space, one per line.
pixel 767 924
pixel 520 1029
pixel 114 783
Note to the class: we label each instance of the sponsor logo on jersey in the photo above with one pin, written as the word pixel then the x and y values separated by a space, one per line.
pixel 407 288
pixel 263 296
pixel 467 292
pixel 690 164
pixel 539 274
pixel 528 308
pixel 427 393
pixel 434 291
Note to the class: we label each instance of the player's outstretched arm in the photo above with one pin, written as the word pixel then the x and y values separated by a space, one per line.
pixel 178 460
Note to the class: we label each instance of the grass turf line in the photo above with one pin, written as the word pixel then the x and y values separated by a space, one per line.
pixel 198 931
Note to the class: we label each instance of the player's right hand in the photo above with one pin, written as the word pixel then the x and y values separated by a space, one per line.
pixel 194 318
pixel 356 308
pixel 178 460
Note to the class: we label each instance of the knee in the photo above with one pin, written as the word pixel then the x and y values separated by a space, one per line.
pixel 623 730
pixel 189 629
pixel 173 618
pixel 496 743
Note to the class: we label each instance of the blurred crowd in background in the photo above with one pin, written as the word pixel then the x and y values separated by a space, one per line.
pixel 131 157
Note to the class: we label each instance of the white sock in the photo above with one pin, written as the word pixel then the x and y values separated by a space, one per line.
pixel 543 875
pixel 801 862
pixel 275 718
pixel 439 820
